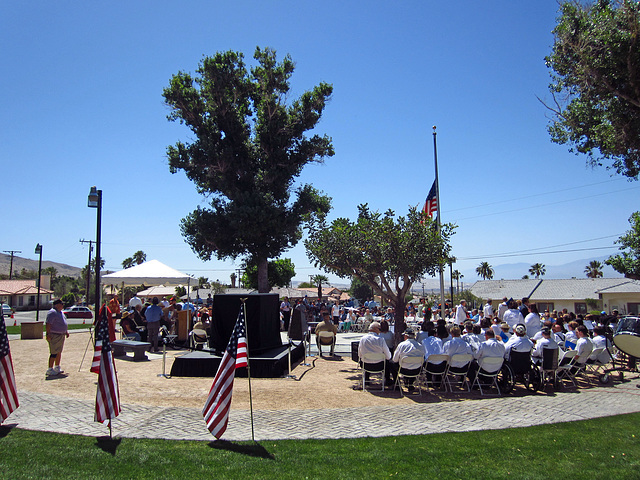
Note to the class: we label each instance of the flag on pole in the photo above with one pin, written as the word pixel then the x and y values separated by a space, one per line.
pixel 431 204
pixel 8 391
pixel 108 395
pixel 216 409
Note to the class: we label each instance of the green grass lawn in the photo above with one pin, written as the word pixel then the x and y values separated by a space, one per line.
pixel 606 448
pixel 73 326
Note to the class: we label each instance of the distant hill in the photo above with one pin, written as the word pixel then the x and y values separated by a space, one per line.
pixel 19 263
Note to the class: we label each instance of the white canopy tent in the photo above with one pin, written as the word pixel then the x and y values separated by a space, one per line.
pixel 149 273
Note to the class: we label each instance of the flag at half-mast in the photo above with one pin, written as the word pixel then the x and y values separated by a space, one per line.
pixel 8 390
pixel 216 408
pixel 431 204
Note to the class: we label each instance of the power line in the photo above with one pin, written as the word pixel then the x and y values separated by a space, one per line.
pixel 503 255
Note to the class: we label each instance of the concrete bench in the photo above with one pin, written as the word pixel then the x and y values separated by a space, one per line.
pixel 120 348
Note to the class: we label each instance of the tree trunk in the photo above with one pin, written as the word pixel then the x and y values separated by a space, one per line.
pixel 263 279
pixel 400 326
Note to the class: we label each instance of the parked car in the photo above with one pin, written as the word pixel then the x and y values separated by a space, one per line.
pixel 77 312
pixel 7 311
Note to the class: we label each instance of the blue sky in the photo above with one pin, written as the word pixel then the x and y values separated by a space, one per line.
pixel 82 105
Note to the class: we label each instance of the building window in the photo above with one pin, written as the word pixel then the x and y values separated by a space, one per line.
pixel 20 300
pixel 32 300
pixel 633 308
pixel 543 307
pixel 580 308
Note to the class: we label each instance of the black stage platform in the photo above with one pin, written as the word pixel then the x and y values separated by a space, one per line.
pixel 272 363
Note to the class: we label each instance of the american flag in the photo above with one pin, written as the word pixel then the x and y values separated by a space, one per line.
pixel 108 395
pixel 431 204
pixel 216 409
pixel 8 391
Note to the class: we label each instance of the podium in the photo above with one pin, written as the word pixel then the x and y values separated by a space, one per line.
pixel 183 325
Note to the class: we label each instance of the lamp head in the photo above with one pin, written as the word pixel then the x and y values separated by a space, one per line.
pixel 94 197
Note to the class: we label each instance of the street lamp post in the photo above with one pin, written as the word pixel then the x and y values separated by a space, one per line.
pixel 95 201
pixel 39 252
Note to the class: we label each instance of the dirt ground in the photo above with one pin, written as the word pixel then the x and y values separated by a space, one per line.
pixel 326 383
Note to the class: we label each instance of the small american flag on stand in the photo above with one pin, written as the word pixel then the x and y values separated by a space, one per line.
pixel 8 391
pixel 216 409
pixel 431 204
pixel 108 395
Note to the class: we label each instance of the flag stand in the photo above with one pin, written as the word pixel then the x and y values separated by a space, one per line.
pixel 164 359
pixel 290 375
pixel 244 306
pixel 87 347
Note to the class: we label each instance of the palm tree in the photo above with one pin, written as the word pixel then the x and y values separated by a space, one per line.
pixel 139 257
pixel 485 271
pixel 594 269
pixel 128 262
pixel 538 270
pixel 456 275
pixel 319 280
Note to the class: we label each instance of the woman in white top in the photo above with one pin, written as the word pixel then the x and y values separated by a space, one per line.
pixel 532 321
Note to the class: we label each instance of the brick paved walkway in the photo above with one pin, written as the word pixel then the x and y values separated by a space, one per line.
pixel 64 415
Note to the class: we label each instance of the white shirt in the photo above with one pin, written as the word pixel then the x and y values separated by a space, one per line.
pixel 472 340
pixel 490 348
pixel 432 346
pixel 335 310
pixel 456 346
pixel 600 341
pixel 517 344
pixel 373 343
pixel 533 324
pixel 409 348
pixel 513 317
pixel 461 315
pixel 543 343
pixel 584 347
pixel 134 302
pixel 501 309
pixel 487 310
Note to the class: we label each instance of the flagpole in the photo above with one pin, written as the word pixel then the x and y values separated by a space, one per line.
pixel 435 160
pixel 246 333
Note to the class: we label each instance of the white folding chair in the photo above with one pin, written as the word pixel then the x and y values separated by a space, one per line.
pixel 373 358
pixel 583 368
pixel 459 373
pixel 565 364
pixel 409 360
pixel 549 365
pixel 436 366
pixel 489 369
pixel 328 339
pixel 197 337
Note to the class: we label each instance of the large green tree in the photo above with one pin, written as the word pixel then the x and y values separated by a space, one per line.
pixel 249 145
pixel 628 263
pixel 387 253
pixel 595 62
pixel 281 271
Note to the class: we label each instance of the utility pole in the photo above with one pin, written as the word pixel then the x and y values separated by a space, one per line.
pixel 90 242
pixel 11 263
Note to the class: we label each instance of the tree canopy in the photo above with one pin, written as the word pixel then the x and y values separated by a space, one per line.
pixel 485 271
pixel 281 271
pixel 538 270
pixel 628 262
pixel 595 62
pixel 387 253
pixel 249 145
pixel 594 269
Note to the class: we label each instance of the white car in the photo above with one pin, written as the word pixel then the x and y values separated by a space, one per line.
pixel 7 311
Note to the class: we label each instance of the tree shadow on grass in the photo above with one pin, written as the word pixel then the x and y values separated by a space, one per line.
pixel 252 450
pixel 108 444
